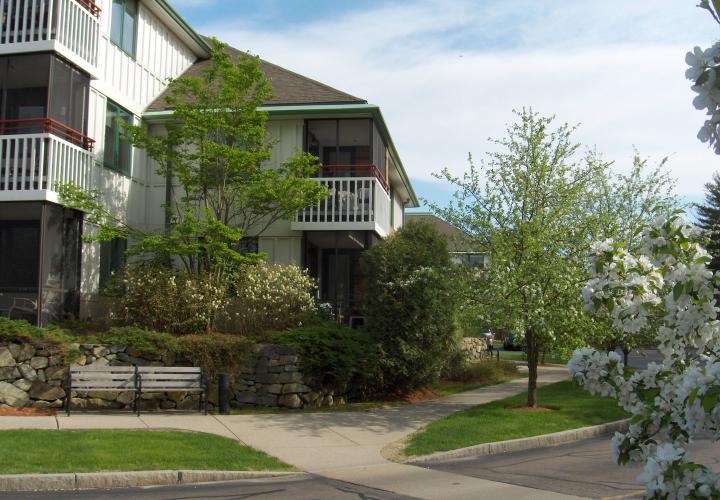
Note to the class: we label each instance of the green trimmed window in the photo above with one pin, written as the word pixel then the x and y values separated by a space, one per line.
pixel 123 25
pixel 117 155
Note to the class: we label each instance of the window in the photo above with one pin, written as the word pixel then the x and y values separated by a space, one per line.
pixel 112 258
pixel 118 150
pixel 340 142
pixel 20 251
pixel 248 244
pixel 123 25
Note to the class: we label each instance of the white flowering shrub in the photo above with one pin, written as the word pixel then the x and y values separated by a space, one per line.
pixel 270 297
pixel 703 72
pixel 672 402
pixel 165 300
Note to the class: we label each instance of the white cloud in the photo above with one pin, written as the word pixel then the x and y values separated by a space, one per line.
pixel 617 67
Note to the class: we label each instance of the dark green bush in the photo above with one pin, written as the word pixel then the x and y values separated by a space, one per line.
pixel 143 341
pixel 336 357
pixel 409 304
pixel 13 330
pixel 485 372
pixel 216 352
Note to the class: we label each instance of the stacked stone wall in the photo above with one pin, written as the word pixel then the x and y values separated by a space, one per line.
pixel 35 375
pixel 475 348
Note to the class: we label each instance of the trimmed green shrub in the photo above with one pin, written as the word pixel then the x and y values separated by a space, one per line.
pixel 270 298
pixel 162 299
pixel 143 341
pixel 336 357
pixel 216 353
pixel 19 330
pixel 409 305
pixel 490 371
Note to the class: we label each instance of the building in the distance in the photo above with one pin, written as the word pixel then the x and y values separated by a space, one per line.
pixel 463 250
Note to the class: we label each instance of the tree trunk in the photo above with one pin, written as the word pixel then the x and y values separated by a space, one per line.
pixel 532 357
pixel 626 354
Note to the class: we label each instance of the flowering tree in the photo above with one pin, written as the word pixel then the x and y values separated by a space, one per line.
pixel 532 205
pixel 674 401
pixel 703 71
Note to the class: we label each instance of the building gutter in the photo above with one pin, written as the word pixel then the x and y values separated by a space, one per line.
pixel 180 21
pixel 323 109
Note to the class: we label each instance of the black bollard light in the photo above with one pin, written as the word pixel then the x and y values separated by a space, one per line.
pixel 224 393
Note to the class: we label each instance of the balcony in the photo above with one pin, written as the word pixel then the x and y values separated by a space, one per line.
pixel 68 27
pixel 358 199
pixel 33 164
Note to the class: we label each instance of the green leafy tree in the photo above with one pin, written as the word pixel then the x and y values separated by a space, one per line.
pixel 409 304
pixel 215 149
pixel 530 207
pixel 708 220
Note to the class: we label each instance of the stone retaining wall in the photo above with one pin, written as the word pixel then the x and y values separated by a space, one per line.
pixel 475 348
pixel 36 375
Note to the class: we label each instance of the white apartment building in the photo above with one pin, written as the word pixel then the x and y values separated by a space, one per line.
pixel 70 68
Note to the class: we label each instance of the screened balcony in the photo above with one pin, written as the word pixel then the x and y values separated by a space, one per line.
pixel 69 27
pixel 352 154
pixel 42 127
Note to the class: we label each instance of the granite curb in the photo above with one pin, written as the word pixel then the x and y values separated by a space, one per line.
pixel 529 443
pixel 91 480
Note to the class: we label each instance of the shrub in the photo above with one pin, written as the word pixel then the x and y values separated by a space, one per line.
pixel 14 330
pixel 270 297
pixel 161 299
pixel 486 372
pixel 409 305
pixel 146 342
pixel 216 353
pixel 336 357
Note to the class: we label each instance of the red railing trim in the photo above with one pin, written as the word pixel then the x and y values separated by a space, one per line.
pixel 91 6
pixel 374 171
pixel 48 125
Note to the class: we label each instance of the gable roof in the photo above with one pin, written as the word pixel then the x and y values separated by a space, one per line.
pixel 458 240
pixel 289 88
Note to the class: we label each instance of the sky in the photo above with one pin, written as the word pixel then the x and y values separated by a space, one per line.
pixel 448 73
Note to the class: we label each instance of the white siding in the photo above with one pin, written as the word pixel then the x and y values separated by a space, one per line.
pixel 287 136
pixel 135 83
pixel 398 212
pixel 281 250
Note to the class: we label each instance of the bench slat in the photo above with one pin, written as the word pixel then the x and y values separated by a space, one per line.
pixel 103 376
pixel 169 369
pixel 153 384
pixel 118 369
pixel 169 376
pixel 109 384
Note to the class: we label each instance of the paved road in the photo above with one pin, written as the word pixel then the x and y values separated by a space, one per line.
pixel 314 487
pixel 585 468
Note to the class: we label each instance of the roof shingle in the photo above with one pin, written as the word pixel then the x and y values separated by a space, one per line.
pixel 288 87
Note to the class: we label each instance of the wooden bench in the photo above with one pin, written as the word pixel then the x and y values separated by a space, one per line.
pixel 137 379
pixel 102 378
pixel 173 379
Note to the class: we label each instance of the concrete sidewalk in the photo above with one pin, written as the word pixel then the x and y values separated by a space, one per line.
pixel 343 445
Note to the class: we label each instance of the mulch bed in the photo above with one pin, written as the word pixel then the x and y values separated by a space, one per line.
pixel 26 412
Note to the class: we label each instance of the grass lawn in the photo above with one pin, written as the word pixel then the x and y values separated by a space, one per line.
pixel 520 356
pixel 498 421
pixel 45 451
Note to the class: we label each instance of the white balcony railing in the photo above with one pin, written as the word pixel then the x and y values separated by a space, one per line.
pixel 353 203
pixel 64 25
pixel 32 166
